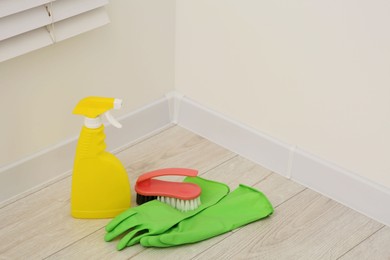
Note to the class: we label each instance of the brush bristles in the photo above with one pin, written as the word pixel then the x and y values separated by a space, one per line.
pixel 141 199
pixel 182 205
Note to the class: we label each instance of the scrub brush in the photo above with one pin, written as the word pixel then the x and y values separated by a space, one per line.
pixel 183 196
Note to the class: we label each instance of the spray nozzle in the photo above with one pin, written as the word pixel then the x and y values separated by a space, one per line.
pixel 93 107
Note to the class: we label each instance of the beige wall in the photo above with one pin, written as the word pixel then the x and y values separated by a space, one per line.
pixel 310 73
pixel 131 58
pixel 315 74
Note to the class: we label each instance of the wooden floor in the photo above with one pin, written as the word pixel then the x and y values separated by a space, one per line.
pixel 305 225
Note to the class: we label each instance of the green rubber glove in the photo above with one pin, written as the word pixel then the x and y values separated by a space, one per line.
pixel 155 217
pixel 242 206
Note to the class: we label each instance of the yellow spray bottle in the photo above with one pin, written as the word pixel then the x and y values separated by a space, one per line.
pixel 100 185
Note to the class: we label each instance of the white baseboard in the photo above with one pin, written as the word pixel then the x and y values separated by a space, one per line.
pixel 358 193
pixel 345 187
pixel 338 184
pixel 41 169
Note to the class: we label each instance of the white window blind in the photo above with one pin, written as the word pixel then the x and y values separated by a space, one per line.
pixel 27 25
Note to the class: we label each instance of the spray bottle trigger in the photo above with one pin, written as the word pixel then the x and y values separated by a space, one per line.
pixel 112 120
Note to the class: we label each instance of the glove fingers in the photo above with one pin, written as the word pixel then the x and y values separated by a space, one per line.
pixel 180 238
pixel 118 219
pixel 121 228
pixel 130 239
pixel 150 241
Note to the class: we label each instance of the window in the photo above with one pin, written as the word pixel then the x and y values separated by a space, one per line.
pixel 27 25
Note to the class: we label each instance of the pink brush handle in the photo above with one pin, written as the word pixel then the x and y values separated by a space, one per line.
pixel 168 171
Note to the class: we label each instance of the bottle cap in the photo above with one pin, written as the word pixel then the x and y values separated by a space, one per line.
pixel 93 107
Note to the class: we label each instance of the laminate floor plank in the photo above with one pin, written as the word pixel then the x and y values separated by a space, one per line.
pixel 376 247
pixel 305 224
